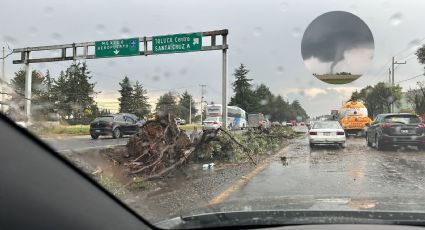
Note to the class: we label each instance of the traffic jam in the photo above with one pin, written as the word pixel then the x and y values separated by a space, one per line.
pixel 386 131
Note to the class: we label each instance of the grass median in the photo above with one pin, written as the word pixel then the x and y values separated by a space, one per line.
pixel 70 130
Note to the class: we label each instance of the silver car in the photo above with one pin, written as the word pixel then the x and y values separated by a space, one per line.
pixel 211 123
pixel 326 132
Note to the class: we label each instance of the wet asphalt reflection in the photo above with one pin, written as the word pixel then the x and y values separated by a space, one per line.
pixel 329 177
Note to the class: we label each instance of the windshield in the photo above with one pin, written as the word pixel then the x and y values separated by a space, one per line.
pixel 212 119
pixel 109 118
pixel 326 125
pixel 402 119
pixel 181 108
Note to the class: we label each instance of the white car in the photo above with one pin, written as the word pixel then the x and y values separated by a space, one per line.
pixel 326 132
pixel 214 123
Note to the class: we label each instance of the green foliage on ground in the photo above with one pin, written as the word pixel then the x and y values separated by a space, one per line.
pixel 257 142
pixel 110 184
pixel 139 183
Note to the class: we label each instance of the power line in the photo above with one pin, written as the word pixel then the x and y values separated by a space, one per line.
pixel 404 50
pixel 411 78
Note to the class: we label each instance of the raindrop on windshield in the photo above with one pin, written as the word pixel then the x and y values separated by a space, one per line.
pixel 167 74
pixel 283 7
pixel 263 102
pixel 48 11
pixel 156 78
pixel 100 29
pixel 414 44
pixel 56 37
pixel 73 69
pixel 396 19
pixel 386 4
pixel 280 69
pixel 353 7
pixel 10 40
pixel 257 31
pixel 296 32
pixel 33 31
pixel 111 63
pixel 125 31
pixel 183 71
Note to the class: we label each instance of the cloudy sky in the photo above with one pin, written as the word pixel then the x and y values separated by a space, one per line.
pixel 264 35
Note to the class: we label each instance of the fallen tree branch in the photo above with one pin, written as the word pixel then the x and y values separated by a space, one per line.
pixel 247 150
pixel 166 170
pixel 161 154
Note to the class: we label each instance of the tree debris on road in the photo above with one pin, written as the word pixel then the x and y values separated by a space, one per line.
pixel 160 146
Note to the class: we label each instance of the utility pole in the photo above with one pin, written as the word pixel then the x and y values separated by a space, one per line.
pixel 202 98
pixel 224 85
pixel 392 76
pixel 28 83
pixel 190 110
pixel 389 76
pixel 3 81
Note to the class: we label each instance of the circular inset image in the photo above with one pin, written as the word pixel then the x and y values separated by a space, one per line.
pixel 337 47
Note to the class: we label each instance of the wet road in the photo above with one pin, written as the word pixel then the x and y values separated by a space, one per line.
pixel 83 142
pixel 355 178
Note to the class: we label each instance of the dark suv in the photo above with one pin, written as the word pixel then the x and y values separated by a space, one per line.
pixel 116 125
pixel 395 129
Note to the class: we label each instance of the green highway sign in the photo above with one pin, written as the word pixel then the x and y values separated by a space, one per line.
pixel 176 43
pixel 117 48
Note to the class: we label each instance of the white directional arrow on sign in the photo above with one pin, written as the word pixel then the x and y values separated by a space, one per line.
pixel 195 41
pixel 116 52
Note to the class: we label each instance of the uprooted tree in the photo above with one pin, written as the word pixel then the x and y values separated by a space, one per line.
pixel 160 146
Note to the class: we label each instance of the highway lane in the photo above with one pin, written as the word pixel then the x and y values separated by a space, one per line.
pixel 330 178
pixel 83 142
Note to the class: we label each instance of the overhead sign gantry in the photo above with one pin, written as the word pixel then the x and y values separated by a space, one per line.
pixel 141 46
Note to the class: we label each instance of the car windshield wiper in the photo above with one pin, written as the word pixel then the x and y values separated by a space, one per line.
pixel 246 219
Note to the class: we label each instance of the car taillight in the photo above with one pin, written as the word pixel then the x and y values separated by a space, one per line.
pixel 385 125
pixel 313 133
pixel 215 122
pixel 340 133
pixel 109 123
pixel 421 125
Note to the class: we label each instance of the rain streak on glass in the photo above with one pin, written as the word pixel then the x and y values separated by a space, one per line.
pixel 280 69
pixel 33 31
pixel 125 32
pixel 283 7
pixel 48 11
pixel 296 32
pixel 10 40
pixel 56 37
pixel 100 29
pixel 396 19
pixel 257 31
